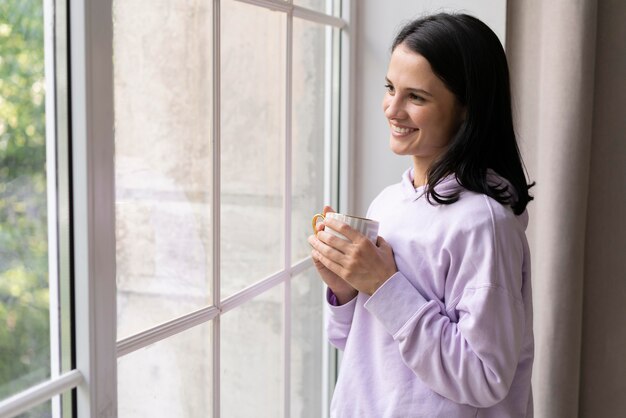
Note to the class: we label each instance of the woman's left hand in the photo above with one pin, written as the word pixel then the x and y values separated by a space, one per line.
pixel 358 261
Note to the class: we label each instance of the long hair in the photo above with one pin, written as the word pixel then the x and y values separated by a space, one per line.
pixel 468 57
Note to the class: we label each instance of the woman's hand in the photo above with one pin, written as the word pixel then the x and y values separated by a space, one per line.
pixel 359 262
pixel 340 288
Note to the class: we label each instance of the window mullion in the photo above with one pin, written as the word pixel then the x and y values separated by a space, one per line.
pixel 63 188
pixel 51 187
pixel 93 206
pixel 216 208
pixel 288 213
pixel 347 63
pixel 298 11
pixel 40 393
pixel 318 17
pixel 166 330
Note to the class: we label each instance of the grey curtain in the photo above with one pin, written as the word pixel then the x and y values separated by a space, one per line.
pixel 568 71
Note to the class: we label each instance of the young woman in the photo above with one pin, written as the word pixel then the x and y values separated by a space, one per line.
pixel 435 320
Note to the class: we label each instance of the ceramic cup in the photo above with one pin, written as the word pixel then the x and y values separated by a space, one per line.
pixel 367 227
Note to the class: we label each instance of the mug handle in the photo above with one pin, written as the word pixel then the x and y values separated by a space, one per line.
pixel 314 221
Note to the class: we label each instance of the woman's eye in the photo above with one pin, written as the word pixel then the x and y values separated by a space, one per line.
pixel 416 98
pixel 389 88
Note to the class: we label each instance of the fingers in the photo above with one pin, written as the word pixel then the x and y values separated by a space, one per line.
pixel 328 263
pixel 315 256
pixel 344 229
pixel 320 225
pixel 326 250
pixel 333 241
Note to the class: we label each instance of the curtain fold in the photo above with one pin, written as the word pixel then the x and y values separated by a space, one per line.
pixel 603 363
pixel 551 47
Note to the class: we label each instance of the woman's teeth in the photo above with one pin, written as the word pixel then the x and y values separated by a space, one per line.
pixel 402 130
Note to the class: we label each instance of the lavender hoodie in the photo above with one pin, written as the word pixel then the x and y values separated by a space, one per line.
pixel 450 334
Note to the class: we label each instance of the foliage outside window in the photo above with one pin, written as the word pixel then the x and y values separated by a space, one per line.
pixel 24 299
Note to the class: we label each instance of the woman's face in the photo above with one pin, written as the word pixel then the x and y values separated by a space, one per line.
pixel 423 114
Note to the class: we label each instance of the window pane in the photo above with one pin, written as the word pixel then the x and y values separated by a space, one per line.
pixel 252 144
pixel 163 97
pixel 309 103
pixel 24 290
pixel 307 345
pixel 172 378
pixel 252 358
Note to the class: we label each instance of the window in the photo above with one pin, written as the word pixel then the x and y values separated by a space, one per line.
pixel 179 206
pixel 220 238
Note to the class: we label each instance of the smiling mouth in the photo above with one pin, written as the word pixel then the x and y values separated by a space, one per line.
pixel 402 131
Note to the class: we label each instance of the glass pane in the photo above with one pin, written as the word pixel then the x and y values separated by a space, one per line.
pixel 172 378
pixel 251 354
pixel 252 144
pixel 43 410
pixel 307 345
pixel 308 127
pixel 330 7
pixel 163 97
pixel 24 291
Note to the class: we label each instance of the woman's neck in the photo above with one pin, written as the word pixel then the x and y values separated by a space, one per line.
pixel 420 171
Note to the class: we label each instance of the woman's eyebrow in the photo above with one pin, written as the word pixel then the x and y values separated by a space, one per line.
pixel 416 90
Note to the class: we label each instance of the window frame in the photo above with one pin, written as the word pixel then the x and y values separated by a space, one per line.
pixel 90 214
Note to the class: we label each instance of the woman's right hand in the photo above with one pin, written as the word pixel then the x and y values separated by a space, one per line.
pixel 342 290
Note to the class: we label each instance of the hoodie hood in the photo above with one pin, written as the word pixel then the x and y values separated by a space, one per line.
pixel 450 184
pixel 447 185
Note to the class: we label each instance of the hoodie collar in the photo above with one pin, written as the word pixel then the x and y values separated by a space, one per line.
pixel 446 185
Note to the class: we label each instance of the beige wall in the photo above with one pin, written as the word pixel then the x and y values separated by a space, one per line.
pixel 603 368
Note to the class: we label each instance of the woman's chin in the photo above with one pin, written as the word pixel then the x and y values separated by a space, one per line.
pixel 398 149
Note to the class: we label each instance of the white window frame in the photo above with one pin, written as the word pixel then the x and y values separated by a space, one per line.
pixel 93 208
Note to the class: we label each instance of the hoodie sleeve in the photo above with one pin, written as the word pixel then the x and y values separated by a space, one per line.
pixel 339 320
pixel 340 316
pixel 471 360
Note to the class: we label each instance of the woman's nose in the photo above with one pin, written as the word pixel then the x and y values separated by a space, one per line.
pixel 393 107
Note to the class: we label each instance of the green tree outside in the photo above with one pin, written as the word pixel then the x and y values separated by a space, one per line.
pixel 24 303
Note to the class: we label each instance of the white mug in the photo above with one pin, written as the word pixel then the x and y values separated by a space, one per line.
pixel 367 227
